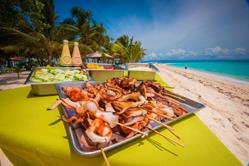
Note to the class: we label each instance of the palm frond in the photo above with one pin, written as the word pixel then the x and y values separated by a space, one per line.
pixel 65 31
pixel 127 50
pixel 11 36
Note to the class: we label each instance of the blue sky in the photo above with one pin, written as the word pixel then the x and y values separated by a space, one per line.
pixel 174 29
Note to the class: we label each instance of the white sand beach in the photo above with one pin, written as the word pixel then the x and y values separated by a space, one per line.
pixel 10 80
pixel 227 105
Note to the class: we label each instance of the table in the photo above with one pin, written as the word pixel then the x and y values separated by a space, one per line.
pixel 31 135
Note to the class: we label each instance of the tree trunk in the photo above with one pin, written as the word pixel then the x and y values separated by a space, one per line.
pixel 18 75
pixel 49 56
pixel 39 61
pixel 49 52
pixel 29 67
pixel 8 61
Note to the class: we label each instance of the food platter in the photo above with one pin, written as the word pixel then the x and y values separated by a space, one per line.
pixel 75 130
pixel 47 87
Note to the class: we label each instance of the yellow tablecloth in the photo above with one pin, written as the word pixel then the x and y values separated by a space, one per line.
pixel 31 135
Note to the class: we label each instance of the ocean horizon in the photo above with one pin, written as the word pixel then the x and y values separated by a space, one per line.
pixel 237 69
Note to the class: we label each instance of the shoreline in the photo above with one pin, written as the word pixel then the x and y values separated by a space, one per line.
pixel 216 74
pixel 226 100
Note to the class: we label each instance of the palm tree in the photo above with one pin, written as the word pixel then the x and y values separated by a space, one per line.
pixel 126 50
pixel 91 34
pixel 37 29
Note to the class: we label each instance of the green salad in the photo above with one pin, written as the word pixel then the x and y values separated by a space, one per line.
pixel 58 75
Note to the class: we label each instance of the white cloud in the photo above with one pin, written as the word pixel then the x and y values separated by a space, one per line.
pixel 176 53
pixel 208 53
pixel 152 55
pixel 241 51
pixel 180 52
pixel 219 51
pixel 192 25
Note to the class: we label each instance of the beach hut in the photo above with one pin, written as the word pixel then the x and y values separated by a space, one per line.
pixel 95 57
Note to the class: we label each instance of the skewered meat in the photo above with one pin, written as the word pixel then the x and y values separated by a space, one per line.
pixel 118 109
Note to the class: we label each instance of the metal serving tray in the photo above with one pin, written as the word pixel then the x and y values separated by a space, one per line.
pixel 46 88
pixel 105 74
pixel 75 132
pixel 142 74
pixel 148 65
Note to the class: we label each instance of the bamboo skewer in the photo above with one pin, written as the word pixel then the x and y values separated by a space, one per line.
pixel 166 126
pixel 162 115
pixel 159 122
pixel 128 127
pixel 164 136
pixel 165 86
pixel 170 94
pixel 58 102
pixel 104 156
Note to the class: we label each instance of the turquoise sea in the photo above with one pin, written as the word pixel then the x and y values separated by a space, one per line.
pixel 236 69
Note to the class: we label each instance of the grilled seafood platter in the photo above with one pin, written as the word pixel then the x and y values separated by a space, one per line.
pixel 115 110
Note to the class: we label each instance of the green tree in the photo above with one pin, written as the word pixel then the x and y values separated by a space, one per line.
pixel 127 50
pixel 36 27
pixel 91 34
pixel 30 27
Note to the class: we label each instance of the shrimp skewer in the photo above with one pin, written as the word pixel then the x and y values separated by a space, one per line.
pixel 119 109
